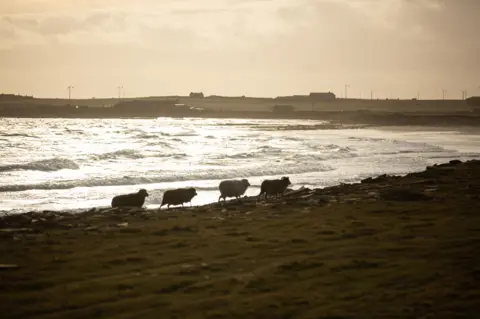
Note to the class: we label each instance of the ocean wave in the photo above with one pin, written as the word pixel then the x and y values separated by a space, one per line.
pixel 269 149
pixel 159 143
pixel 17 135
pixel 295 127
pixel 133 154
pixel 179 134
pixel 74 131
pixel 168 177
pixel 126 153
pixel 146 136
pixel 48 165
pixel 239 155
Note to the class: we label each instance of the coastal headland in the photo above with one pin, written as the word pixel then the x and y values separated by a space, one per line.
pixel 388 247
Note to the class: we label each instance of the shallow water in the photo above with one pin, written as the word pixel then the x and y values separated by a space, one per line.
pixel 71 164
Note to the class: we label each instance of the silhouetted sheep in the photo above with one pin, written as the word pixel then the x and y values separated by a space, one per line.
pixel 232 188
pixel 178 196
pixel 274 186
pixel 130 200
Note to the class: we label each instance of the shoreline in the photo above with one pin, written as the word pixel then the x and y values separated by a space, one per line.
pixel 388 246
pixel 364 118
pixel 248 199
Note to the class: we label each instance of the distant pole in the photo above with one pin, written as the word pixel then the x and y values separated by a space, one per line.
pixel 371 95
pixel 120 88
pixel 346 90
pixel 70 93
pixel 443 93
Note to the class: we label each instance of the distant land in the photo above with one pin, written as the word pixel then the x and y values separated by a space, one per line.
pixel 322 105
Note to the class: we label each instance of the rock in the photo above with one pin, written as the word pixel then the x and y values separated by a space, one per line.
pixel 15 230
pixel 8 266
pixel 301 191
pixel 455 162
pixel 122 225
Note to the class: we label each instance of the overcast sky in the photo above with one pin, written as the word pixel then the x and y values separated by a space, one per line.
pixel 396 48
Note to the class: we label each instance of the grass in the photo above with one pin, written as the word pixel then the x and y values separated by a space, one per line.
pixel 407 257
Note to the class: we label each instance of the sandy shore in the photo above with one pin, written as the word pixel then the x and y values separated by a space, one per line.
pixel 389 247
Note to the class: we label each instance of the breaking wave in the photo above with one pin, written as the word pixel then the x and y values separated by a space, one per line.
pixel 168 177
pixel 17 135
pixel 132 154
pixel 48 165
pixel 126 153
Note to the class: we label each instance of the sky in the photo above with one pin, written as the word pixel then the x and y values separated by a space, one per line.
pixel 391 48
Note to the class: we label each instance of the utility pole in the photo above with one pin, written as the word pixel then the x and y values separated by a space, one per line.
pixel 70 93
pixel 346 90
pixel 371 95
pixel 120 88
pixel 443 93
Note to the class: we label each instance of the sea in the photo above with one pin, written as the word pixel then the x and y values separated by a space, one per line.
pixel 77 164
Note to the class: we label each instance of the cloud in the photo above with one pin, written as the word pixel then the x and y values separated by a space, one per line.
pixel 277 43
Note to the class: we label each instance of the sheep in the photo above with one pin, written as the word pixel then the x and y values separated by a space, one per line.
pixel 274 186
pixel 130 200
pixel 178 196
pixel 232 188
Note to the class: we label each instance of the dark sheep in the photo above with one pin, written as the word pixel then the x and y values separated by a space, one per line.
pixel 274 186
pixel 178 196
pixel 130 200
pixel 232 188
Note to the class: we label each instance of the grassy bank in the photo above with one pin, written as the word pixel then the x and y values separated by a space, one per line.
pixel 390 247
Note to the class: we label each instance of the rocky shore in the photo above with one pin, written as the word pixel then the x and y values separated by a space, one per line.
pixel 396 247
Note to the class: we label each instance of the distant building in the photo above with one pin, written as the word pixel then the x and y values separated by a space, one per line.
pixel 322 96
pixel 197 95
pixel 473 101
pixel 283 108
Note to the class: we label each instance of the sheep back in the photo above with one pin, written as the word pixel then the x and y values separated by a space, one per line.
pixel 178 196
pixel 130 200
pixel 233 188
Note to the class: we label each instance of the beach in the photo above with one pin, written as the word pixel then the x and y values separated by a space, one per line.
pixel 387 247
